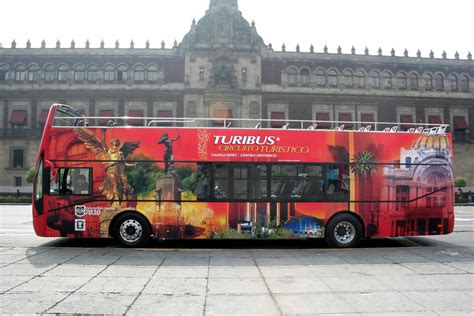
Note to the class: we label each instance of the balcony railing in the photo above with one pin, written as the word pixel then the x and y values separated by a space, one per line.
pixel 18 133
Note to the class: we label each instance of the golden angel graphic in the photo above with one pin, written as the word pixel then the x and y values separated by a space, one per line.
pixel 115 187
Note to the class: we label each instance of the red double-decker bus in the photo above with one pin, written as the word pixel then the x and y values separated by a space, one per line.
pixel 155 180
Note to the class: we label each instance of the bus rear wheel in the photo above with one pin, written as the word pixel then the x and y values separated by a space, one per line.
pixel 343 231
pixel 132 230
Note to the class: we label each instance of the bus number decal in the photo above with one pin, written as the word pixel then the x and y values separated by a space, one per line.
pixel 82 210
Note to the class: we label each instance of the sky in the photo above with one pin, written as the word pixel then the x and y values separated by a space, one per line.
pixel 412 24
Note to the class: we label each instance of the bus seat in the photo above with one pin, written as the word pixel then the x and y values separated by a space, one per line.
pixel 313 127
pixel 434 130
pixel 442 129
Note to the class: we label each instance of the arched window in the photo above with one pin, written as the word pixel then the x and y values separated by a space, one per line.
pixel 152 73
pixel 453 82
pixel 63 73
pixel 387 80
pixel 332 78
pixel 20 73
pixel 428 78
pixel 375 79
pixel 33 73
pixel 439 82
pixel 109 73
pixel 305 77
pixel 320 77
pixel 122 73
pixel 92 74
pixel 3 72
pixel 402 80
pixel 49 73
pixel 79 73
pixel 139 73
pixel 413 81
pixel 464 83
pixel 359 79
pixel 292 76
pixel 348 79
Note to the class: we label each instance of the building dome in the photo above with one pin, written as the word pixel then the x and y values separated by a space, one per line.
pixel 435 142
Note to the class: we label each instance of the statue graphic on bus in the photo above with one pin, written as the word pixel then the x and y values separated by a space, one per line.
pixel 115 187
pixel 168 155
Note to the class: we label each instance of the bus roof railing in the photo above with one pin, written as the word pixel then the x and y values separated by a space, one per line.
pixel 75 118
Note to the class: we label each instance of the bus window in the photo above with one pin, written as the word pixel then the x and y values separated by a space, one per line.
pixel 308 183
pixel 203 188
pixel 240 183
pixel 283 181
pixel 336 186
pixel 72 181
pixel 249 182
pixel 221 182
pixel 257 184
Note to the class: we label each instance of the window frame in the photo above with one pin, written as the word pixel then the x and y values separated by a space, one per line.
pixel 58 179
pixel 63 73
pixel 92 69
pixel 375 80
pixel 12 158
pixel 33 73
pixel 49 73
pixel 139 73
pixel 320 77
pixel 79 70
pixel 332 78
pixel 228 178
pixel 20 73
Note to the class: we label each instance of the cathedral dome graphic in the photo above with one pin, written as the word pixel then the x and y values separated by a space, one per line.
pixel 435 142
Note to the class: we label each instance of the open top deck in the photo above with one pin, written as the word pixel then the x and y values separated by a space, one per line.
pixel 65 115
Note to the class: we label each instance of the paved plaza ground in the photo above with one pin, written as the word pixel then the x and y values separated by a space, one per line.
pixel 401 276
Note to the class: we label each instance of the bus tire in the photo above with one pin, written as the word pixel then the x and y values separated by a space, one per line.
pixel 131 230
pixel 343 231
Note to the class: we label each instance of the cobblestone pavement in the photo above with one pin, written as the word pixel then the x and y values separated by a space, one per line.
pixel 415 276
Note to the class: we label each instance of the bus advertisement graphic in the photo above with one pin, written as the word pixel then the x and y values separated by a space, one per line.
pixel 230 183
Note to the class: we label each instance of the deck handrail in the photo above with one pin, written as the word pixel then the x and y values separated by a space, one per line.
pixel 361 126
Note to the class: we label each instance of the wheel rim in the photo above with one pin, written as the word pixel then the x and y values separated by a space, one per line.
pixel 131 230
pixel 344 232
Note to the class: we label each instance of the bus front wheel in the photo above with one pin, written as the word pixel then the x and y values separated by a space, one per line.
pixel 132 230
pixel 343 231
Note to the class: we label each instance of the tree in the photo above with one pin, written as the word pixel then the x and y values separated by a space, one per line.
pixel 142 178
pixel 363 165
pixel 460 182
pixel 30 175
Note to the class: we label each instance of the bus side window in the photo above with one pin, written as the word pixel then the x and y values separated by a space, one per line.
pixel 203 186
pixel 71 181
pixel 337 183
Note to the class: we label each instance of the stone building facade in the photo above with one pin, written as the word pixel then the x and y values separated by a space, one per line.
pixel 222 67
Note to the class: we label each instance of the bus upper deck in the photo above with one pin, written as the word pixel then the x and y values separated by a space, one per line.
pixel 67 116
